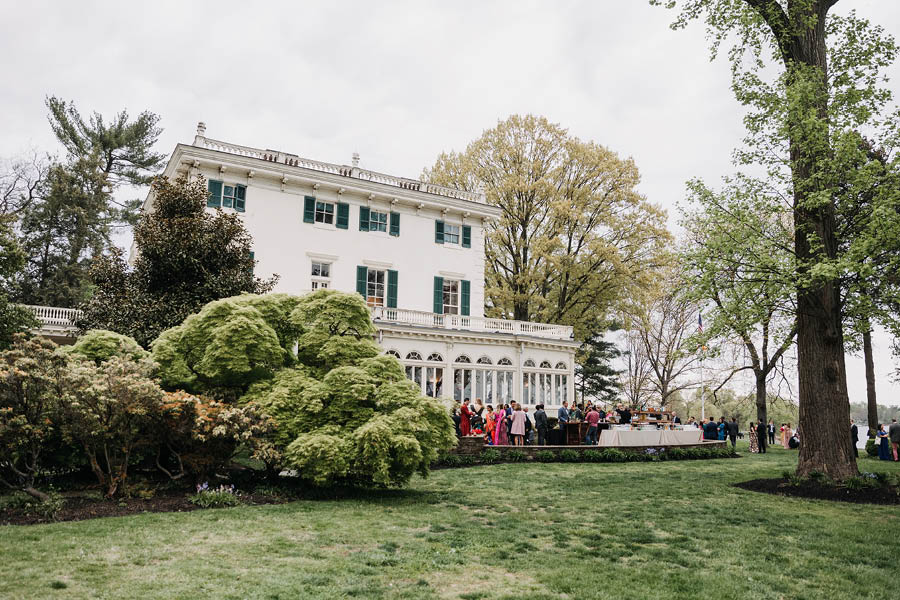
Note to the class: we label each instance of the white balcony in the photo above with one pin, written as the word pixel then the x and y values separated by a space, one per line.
pixel 420 318
pixel 55 322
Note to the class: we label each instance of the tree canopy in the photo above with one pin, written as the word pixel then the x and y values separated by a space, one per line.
pixel 574 234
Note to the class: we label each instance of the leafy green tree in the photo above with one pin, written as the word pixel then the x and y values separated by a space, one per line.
pixel 229 345
pixel 802 129
pixel 31 385
pixel 186 257
pixel 574 234
pixel 343 414
pixel 739 263
pixel 595 376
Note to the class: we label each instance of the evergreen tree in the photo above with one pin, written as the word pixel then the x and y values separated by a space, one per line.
pixel 13 318
pixel 61 232
pixel 72 208
pixel 186 257
pixel 595 376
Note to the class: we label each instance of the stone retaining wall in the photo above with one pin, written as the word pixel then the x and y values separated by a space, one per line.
pixel 473 445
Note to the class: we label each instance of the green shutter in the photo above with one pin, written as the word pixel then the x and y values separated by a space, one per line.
pixel 215 193
pixel 253 263
pixel 467 236
pixel 464 298
pixel 240 197
pixel 438 232
pixel 392 289
pixel 395 224
pixel 439 295
pixel 363 218
pixel 309 209
pixel 343 216
pixel 362 274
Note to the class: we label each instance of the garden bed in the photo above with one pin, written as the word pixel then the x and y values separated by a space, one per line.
pixel 823 490
pixel 79 507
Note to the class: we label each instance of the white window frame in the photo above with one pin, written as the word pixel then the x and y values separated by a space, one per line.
pixel 451 309
pixel 372 299
pixel 375 223
pixel 324 212
pixel 453 230
pixel 320 281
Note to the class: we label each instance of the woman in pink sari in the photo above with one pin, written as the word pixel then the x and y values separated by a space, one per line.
pixel 500 427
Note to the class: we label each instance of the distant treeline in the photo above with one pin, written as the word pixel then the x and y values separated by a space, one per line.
pixel 859 412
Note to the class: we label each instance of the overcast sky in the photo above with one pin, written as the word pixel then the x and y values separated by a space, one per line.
pixel 398 82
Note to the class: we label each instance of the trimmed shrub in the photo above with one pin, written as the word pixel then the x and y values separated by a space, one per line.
pixel 516 456
pixel 545 456
pixel 594 456
pixel 613 455
pixel 490 456
pixel 569 456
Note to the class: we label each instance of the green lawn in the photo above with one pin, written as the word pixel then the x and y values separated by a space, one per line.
pixel 640 530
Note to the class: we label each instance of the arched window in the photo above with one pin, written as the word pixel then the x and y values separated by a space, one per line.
pixel 462 358
pixel 484 360
pixel 413 356
pixel 435 357
pixel 529 363
pixel 545 364
pixel 505 362
pixel 561 365
pixel 393 353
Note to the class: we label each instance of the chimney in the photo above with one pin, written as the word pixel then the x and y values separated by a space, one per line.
pixel 355 162
pixel 201 134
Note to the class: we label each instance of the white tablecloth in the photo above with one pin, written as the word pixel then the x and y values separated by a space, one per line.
pixel 651 437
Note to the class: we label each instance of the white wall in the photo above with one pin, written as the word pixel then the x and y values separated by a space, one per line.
pixel 285 245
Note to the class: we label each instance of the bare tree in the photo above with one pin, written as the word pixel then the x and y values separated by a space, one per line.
pixel 636 379
pixel 663 326
pixel 22 181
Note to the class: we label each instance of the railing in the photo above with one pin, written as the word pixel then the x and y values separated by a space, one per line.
pixel 481 324
pixel 295 161
pixel 54 318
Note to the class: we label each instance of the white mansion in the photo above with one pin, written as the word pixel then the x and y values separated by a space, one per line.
pixel 414 250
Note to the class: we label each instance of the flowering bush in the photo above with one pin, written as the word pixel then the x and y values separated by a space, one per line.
pixel 30 386
pixel 110 411
pixel 199 435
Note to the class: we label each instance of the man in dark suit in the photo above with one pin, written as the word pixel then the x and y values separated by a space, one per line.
pixel 771 431
pixel 675 419
pixel 540 423
pixel 761 435
pixel 710 430
pixel 854 437
pixel 732 429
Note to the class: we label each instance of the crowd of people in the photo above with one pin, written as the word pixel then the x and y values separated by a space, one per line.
pixel 511 424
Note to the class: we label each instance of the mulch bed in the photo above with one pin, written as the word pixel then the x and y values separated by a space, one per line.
pixel 818 491
pixel 80 508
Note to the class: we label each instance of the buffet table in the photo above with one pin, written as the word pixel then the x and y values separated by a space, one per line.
pixel 650 437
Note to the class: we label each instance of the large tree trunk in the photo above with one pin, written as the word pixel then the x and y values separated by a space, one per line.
pixel 761 406
pixel 872 404
pixel 825 445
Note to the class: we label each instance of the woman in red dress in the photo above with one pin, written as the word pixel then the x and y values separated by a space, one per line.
pixel 465 415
